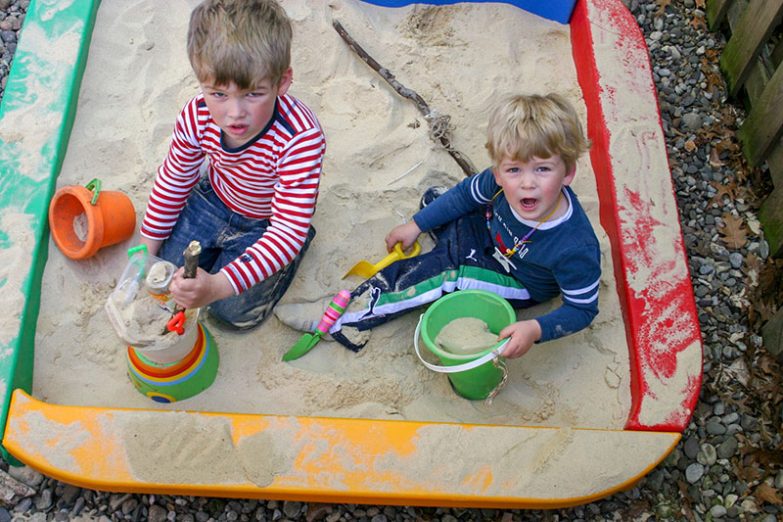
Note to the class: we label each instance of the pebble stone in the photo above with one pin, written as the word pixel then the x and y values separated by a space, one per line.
pixel 692 115
pixel 694 472
pixel 728 448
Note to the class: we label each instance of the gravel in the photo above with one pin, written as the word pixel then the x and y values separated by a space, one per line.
pixel 728 464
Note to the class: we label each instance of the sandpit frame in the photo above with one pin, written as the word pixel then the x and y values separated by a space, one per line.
pixel 362 460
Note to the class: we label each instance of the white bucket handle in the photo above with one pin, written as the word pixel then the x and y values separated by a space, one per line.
pixel 494 354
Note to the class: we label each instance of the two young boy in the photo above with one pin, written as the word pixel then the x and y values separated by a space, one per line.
pixel 516 229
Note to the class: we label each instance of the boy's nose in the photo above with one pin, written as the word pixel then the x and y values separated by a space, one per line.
pixel 236 108
pixel 527 180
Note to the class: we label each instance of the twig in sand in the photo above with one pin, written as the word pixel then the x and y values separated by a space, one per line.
pixel 398 178
pixel 440 128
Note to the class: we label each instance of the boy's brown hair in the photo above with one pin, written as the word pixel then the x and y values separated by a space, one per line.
pixel 523 126
pixel 239 41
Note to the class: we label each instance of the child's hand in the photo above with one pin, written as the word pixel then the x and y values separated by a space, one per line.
pixel 522 335
pixel 405 234
pixel 201 290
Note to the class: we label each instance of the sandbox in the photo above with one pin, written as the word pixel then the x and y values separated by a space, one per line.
pixel 396 457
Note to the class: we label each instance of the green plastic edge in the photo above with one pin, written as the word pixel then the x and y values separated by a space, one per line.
pixel 51 56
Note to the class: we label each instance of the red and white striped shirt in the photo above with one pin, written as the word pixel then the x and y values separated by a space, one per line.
pixel 273 177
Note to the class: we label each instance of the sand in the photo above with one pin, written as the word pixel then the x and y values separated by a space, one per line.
pixel 138 77
pixel 466 335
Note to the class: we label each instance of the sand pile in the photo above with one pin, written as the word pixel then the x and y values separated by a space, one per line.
pixel 459 58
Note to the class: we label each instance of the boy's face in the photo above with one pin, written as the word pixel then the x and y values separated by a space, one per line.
pixel 533 188
pixel 241 113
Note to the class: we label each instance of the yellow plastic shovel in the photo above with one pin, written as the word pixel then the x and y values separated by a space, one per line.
pixel 366 270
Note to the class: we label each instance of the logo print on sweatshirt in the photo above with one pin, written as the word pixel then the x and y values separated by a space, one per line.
pixel 504 261
pixel 509 252
pixel 375 296
pixel 499 241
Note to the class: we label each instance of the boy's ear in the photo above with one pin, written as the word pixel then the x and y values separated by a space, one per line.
pixel 285 82
pixel 494 170
pixel 570 175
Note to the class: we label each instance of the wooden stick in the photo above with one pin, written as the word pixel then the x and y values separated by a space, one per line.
pixel 440 129
pixel 191 253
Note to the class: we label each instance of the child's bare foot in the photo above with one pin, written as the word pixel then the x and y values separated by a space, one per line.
pixel 303 316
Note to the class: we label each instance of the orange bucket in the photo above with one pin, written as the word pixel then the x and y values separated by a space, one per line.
pixel 84 219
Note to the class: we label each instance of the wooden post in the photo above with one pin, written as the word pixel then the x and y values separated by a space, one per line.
pixel 716 13
pixel 771 218
pixel 764 125
pixel 757 23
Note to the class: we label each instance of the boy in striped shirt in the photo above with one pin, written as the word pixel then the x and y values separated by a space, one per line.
pixel 516 229
pixel 243 168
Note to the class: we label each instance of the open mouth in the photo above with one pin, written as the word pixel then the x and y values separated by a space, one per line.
pixel 528 203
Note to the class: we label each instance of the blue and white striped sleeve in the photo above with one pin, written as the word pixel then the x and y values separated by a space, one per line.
pixel 579 278
pixel 464 197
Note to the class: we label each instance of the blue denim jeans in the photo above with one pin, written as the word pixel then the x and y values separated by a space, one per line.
pixel 224 235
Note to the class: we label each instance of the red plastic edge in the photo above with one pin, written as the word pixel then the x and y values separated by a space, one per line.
pixel 645 324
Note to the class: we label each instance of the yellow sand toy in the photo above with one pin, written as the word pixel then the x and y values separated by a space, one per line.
pixel 366 270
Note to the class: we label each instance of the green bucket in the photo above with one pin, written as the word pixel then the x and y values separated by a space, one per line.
pixel 475 376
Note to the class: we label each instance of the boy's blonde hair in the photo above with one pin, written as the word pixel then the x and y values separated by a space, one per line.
pixel 524 126
pixel 239 41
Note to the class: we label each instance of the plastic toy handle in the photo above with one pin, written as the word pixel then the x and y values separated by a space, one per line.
pixel 177 323
pixel 415 250
pixel 333 312
pixel 396 254
pixel 138 248
pixel 94 186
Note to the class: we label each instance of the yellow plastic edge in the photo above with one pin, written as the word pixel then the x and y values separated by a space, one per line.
pixel 329 460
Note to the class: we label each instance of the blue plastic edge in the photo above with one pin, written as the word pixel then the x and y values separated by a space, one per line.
pixel 557 10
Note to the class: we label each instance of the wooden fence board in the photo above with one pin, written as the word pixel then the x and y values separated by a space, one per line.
pixel 758 21
pixel 751 61
pixel 771 218
pixel 776 56
pixel 736 8
pixel 763 126
pixel 775 163
pixel 769 59
pixel 716 13
pixel 757 80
